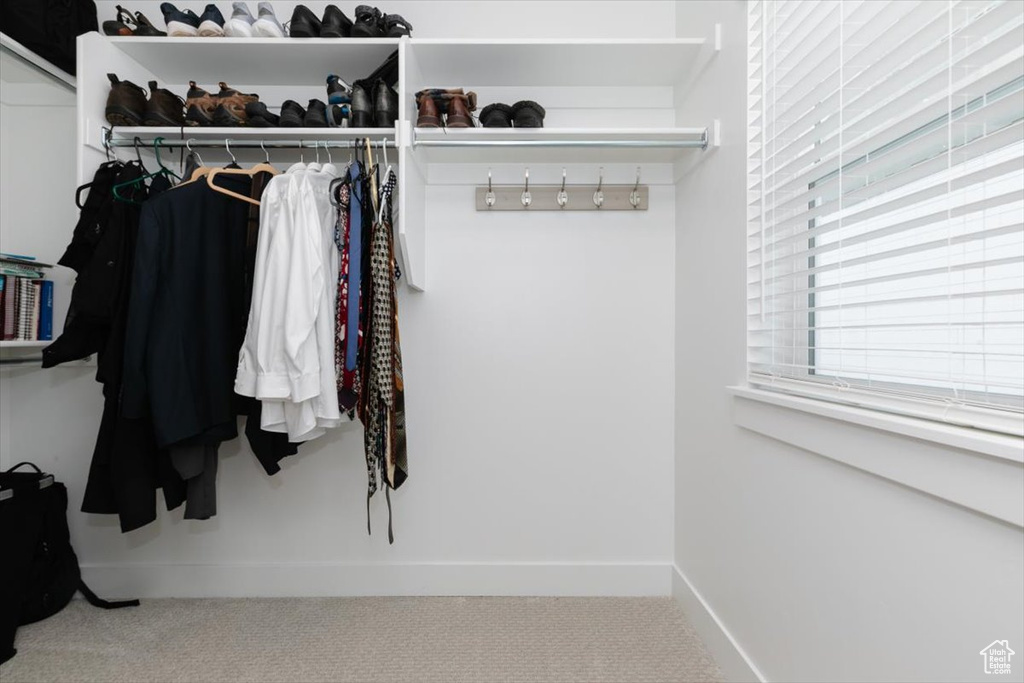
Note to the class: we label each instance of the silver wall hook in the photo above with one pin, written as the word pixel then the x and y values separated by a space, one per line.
pixel 562 197
pixel 526 198
pixel 634 196
pixel 599 195
pixel 490 197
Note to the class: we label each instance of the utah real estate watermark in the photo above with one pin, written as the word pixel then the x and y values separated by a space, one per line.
pixel 997 657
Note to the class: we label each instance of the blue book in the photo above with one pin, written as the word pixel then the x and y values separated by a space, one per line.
pixel 46 311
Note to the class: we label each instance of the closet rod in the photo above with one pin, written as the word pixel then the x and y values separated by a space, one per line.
pixel 674 144
pixel 251 144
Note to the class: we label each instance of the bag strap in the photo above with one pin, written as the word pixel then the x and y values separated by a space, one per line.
pixel 97 601
pixel 32 465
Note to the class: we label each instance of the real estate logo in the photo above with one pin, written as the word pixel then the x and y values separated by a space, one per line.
pixel 997 657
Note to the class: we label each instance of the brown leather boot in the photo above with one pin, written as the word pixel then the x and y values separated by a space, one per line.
pixel 164 107
pixel 458 112
pixel 199 106
pixel 428 115
pixel 126 103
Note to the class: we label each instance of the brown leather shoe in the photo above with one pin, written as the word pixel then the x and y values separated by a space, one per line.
pixel 443 96
pixel 126 103
pixel 164 107
pixel 458 112
pixel 428 115
pixel 200 105
pixel 230 110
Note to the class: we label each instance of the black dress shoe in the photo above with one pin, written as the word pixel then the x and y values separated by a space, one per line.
pixel 385 105
pixel 261 117
pixel 292 114
pixel 316 115
pixel 304 23
pixel 361 115
pixel 335 24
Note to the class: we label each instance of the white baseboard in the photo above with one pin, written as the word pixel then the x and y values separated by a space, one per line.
pixel 731 658
pixel 386 579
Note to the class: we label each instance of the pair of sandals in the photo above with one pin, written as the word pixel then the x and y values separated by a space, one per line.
pixel 372 23
pixel 128 25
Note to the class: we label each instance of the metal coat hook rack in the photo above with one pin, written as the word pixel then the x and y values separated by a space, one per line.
pixel 563 197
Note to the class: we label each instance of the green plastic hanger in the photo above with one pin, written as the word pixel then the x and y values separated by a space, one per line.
pixel 141 179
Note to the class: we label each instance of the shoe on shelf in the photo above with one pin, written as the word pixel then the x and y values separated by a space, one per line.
pixel 164 108
pixel 385 105
pixel 528 114
pixel 211 23
pixel 316 115
pixel 229 115
pixel 261 117
pixel 335 24
pixel 240 23
pixel 267 26
pixel 459 112
pixel 362 109
pixel 496 115
pixel 122 25
pixel 179 24
pixel 144 27
pixel 338 91
pixel 337 115
pixel 304 23
pixel 369 23
pixel 292 114
pixel 126 103
pixel 443 97
pixel 199 106
pixel 428 117
pixel 395 26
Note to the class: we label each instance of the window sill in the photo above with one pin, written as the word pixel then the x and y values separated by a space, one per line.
pixel 977 470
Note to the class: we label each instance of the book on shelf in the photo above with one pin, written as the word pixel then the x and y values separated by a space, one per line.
pixel 46 311
pixel 26 309
pixel 22 266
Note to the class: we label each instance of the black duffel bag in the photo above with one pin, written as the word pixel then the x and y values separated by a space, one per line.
pixel 39 571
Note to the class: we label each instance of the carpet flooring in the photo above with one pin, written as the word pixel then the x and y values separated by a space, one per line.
pixel 419 640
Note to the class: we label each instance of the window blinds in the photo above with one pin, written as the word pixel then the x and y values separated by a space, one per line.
pixel 885 244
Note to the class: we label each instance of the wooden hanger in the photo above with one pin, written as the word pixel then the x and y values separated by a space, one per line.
pixel 263 166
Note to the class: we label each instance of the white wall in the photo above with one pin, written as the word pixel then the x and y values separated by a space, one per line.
pixel 819 571
pixel 539 411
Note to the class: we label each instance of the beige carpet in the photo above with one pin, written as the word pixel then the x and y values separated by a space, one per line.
pixel 419 640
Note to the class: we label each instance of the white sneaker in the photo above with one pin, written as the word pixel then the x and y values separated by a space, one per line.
pixel 267 26
pixel 240 23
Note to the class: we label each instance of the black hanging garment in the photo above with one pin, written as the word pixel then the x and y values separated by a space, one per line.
pixel 40 572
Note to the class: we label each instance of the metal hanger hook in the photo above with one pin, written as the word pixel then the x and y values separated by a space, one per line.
pixel 227 146
pixel 384 147
pixel 138 154
pixel 265 152
pixel 188 146
pixel 327 150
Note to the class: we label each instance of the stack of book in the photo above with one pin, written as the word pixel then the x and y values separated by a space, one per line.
pixel 26 299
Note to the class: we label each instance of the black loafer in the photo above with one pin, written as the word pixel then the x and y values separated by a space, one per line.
pixel 335 24
pixel 316 115
pixel 304 23
pixel 261 117
pixel 496 115
pixel 292 114
pixel 528 114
